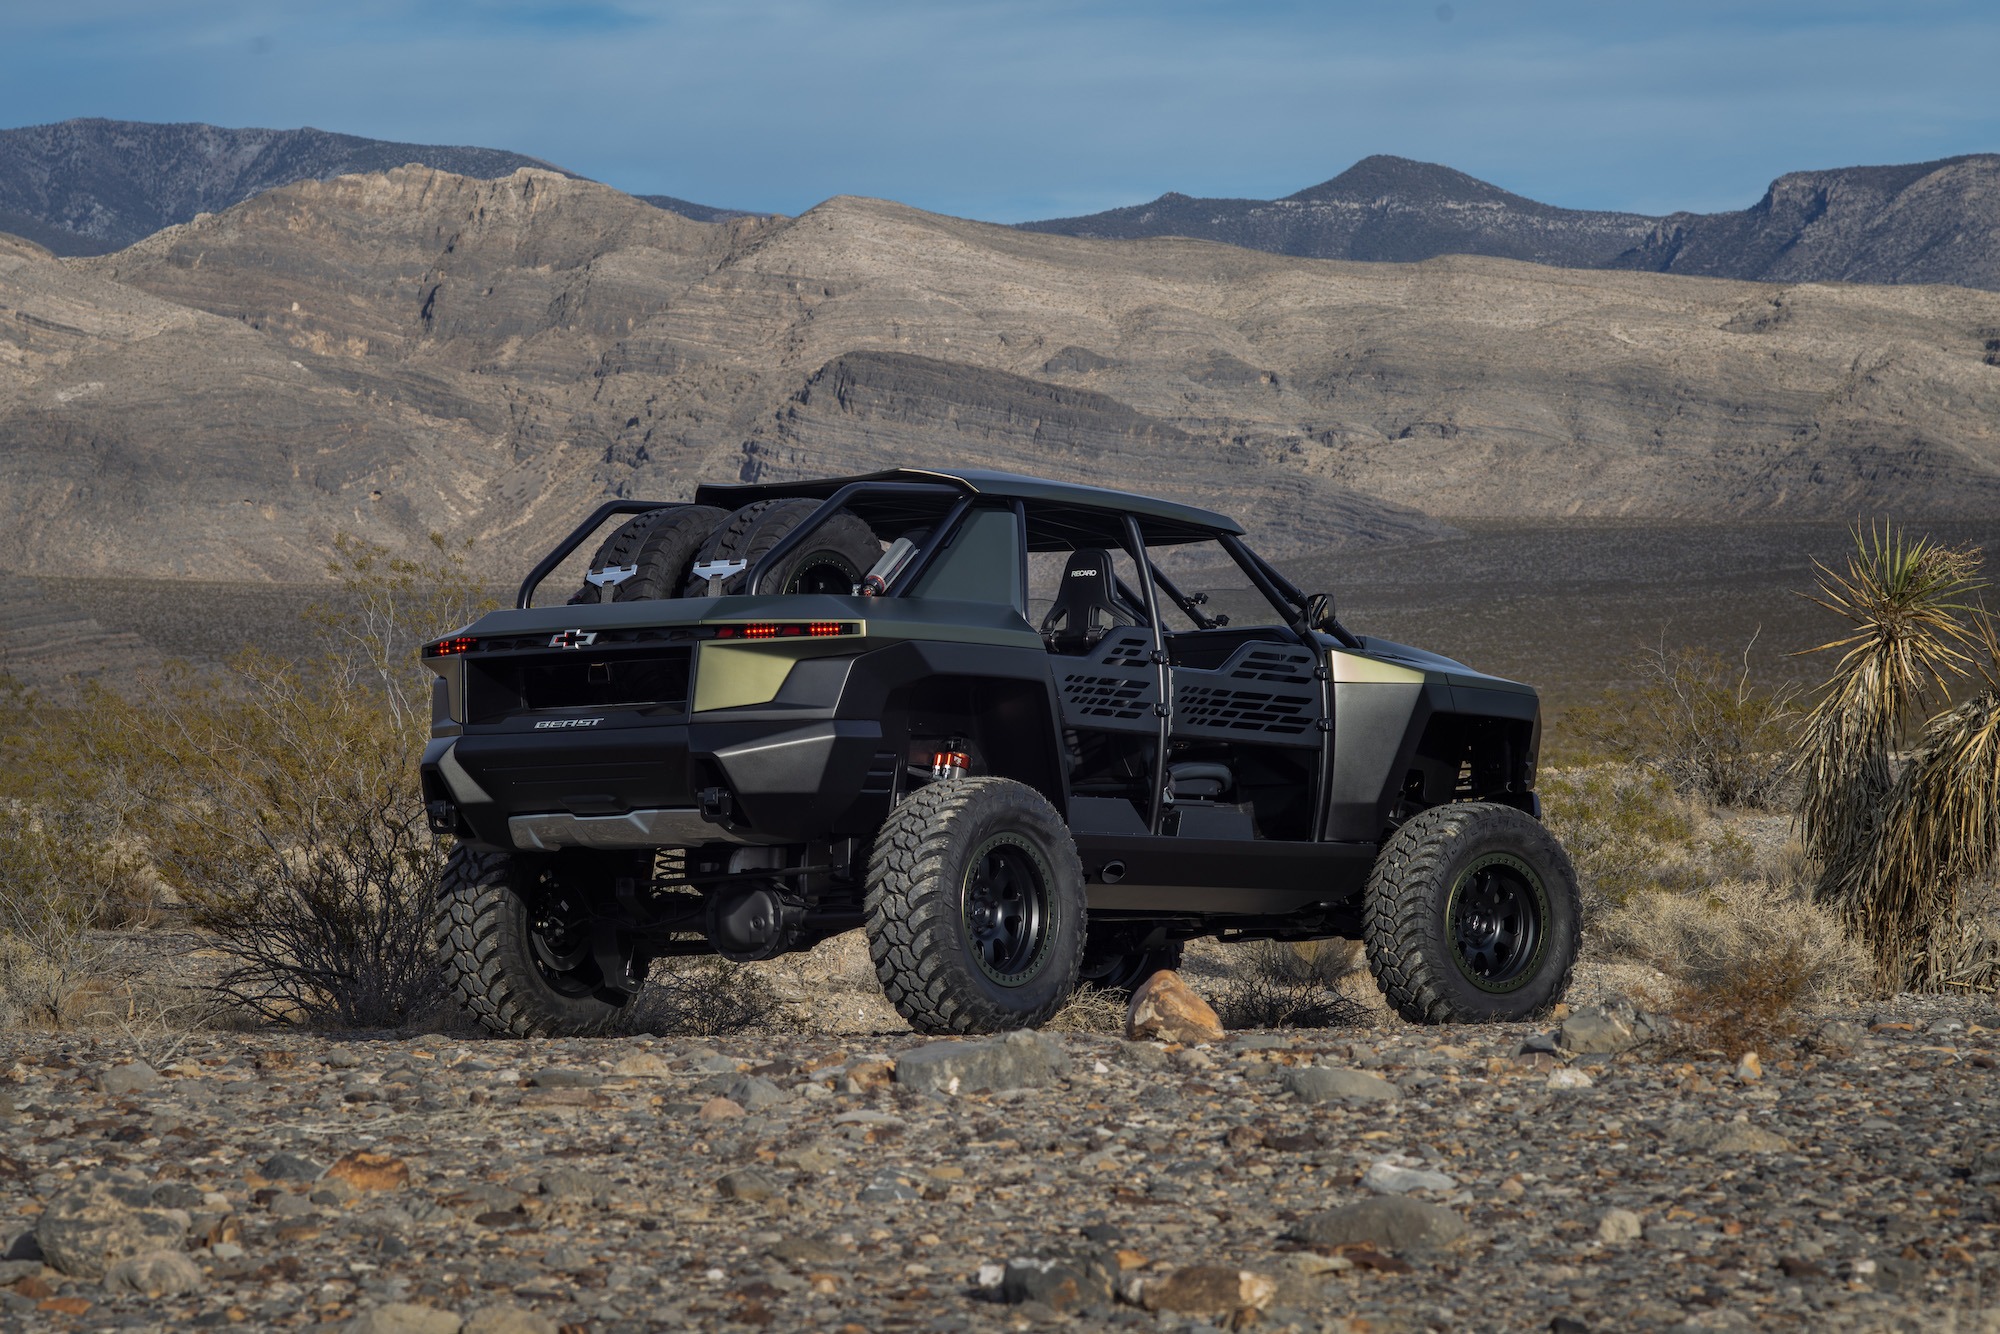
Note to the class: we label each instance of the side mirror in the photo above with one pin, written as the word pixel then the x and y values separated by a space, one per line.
pixel 1319 611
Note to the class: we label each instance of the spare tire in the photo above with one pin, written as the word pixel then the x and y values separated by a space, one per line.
pixel 661 543
pixel 831 560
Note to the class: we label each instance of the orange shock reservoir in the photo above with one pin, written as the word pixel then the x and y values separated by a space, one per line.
pixel 949 764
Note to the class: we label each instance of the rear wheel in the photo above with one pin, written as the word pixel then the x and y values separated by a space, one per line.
pixel 521 949
pixel 1472 916
pixel 660 544
pixel 975 908
pixel 831 560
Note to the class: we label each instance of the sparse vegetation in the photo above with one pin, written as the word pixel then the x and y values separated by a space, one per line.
pixel 1699 723
pixel 1275 984
pixel 706 995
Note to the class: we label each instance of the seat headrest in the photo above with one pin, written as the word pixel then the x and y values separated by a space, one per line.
pixel 1086 604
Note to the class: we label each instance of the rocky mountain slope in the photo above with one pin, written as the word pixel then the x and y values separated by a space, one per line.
pixel 1381 208
pixel 85 187
pixel 411 351
pixel 1929 222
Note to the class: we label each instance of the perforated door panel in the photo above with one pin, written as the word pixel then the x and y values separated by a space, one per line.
pixel 1112 688
pixel 1265 694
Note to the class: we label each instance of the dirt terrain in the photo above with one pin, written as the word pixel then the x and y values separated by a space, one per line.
pixel 1377 1177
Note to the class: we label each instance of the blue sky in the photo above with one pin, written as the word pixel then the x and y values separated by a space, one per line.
pixel 1017 109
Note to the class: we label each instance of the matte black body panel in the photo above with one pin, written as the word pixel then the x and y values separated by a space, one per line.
pixel 1220 875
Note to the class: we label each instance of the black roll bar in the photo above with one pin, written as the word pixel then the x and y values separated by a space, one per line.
pixel 790 541
pixel 1156 806
pixel 526 597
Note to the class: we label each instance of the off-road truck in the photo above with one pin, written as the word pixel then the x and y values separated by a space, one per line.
pixel 976 716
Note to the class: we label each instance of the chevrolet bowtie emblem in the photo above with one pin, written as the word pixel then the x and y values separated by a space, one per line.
pixel 573 639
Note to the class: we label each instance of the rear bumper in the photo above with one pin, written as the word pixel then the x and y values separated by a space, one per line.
pixel 642 784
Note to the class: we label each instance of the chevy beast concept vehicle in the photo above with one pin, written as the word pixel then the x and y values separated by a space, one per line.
pixel 976 716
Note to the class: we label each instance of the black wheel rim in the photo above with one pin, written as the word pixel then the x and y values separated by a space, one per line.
pixel 1006 909
pixel 1497 920
pixel 824 572
pixel 559 937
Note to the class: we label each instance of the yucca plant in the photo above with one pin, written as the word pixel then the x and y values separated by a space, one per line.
pixel 1940 827
pixel 1910 605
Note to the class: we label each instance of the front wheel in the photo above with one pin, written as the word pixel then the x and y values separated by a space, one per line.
pixel 975 907
pixel 1472 916
pixel 521 950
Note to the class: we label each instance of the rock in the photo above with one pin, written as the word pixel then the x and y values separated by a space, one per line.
pixel 371 1171
pixel 507 1320
pixel 1319 1083
pixel 1207 1290
pixel 1166 1008
pixel 563 1077
pixel 750 1184
pixel 813 1251
pixel 1542 1044
pixel 1391 1176
pixel 890 1186
pixel 1840 1035
pixel 574 1184
pixel 754 1093
pixel 1597 1029
pixel 404 1318
pixel 719 1109
pixel 1019 1060
pixel 104 1217
pixel 1062 1282
pixel 639 1065
pixel 1749 1067
pixel 1727 1137
pixel 154 1274
pixel 1570 1078
pixel 1617 1225
pixel 811 1158
pixel 708 1062
pixel 179 1195
pixel 118 1080
pixel 1391 1221
pixel 290 1167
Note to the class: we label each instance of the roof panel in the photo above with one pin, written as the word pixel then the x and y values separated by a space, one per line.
pixel 1172 521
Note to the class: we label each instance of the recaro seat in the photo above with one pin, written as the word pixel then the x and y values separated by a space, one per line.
pixel 1086 605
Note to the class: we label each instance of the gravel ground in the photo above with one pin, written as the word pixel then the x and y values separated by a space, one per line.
pixel 866 1184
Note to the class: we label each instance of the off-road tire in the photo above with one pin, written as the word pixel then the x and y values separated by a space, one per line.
pixel 837 554
pixel 1115 971
pixel 1411 932
pixel 483 939
pixel 662 543
pixel 920 874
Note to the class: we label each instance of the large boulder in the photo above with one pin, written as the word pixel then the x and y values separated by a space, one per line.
pixel 1395 1222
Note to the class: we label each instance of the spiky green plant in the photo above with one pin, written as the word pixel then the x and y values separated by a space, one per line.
pixel 1940 826
pixel 1910 605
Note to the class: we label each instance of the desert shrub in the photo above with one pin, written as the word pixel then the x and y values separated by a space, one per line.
pixel 70 867
pixel 1743 960
pixel 1624 828
pixel 1279 985
pixel 1698 722
pixel 705 995
pixel 285 809
pixel 1897 843
pixel 1090 1009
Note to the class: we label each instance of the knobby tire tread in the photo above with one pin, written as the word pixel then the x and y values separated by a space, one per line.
pixel 909 927
pixel 1399 917
pixel 476 894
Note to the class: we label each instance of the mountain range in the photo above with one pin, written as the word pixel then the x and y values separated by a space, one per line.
pixel 1930 222
pixel 87 187
pixel 399 353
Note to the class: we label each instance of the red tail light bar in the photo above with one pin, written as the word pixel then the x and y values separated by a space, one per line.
pixel 787 629
pixel 445 648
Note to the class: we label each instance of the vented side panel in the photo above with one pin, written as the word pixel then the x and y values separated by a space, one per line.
pixel 1264 693
pixel 1113 687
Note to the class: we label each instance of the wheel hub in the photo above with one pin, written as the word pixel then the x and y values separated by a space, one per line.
pixel 1497 912
pixel 1006 910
